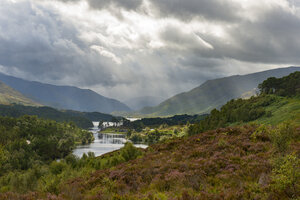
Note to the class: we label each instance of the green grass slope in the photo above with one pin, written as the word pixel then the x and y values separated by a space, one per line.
pixel 213 94
pixel 10 96
pixel 285 109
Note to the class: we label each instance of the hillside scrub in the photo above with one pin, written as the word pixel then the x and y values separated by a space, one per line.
pixel 227 163
pixel 239 110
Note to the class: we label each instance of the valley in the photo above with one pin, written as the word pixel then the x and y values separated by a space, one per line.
pixel 246 149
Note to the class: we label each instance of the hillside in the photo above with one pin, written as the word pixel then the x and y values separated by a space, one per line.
pixel 10 96
pixel 64 97
pixel 214 93
pixel 221 164
pixel 278 102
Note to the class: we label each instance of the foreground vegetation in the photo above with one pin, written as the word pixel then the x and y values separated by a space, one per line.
pixel 36 155
pixel 249 162
pixel 47 178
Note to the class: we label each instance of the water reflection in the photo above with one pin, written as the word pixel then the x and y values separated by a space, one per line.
pixel 111 138
pixel 103 143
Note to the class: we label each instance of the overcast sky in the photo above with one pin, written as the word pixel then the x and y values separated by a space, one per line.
pixel 131 48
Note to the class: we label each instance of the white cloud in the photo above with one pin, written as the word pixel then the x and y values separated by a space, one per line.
pixel 106 53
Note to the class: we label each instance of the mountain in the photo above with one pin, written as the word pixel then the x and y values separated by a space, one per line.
pixel 145 101
pixel 64 97
pixel 213 93
pixel 10 96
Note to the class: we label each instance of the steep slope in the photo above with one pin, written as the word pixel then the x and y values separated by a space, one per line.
pixel 64 97
pixel 278 102
pixel 214 93
pixel 10 96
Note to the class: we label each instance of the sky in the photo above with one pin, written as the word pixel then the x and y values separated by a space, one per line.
pixel 132 48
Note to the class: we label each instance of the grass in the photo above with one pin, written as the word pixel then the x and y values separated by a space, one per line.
pixel 285 109
pixel 282 110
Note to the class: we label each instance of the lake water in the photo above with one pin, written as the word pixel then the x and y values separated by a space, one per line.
pixel 103 143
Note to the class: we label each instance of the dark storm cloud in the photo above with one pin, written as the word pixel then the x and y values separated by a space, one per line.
pixel 48 48
pixel 102 4
pixel 127 4
pixel 273 38
pixel 188 9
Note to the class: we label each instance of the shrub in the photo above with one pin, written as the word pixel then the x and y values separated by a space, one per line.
pixel 261 133
pixel 130 152
pixel 286 176
pixel 136 138
pixel 281 136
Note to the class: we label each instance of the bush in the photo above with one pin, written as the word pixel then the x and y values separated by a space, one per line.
pixel 130 152
pixel 262 133
pixel 136 138
pixel 286 176
pixel 281 136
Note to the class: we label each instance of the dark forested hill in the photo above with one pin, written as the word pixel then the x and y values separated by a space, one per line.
pixel 64 97
pixel 81 119
pixel 214 93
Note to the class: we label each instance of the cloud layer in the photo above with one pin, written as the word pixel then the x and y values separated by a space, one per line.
pixel 130 48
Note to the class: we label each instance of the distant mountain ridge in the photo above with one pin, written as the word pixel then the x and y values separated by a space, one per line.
pixel 10 96
pixel 64 97
pixel 138 103
pixel 213 93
